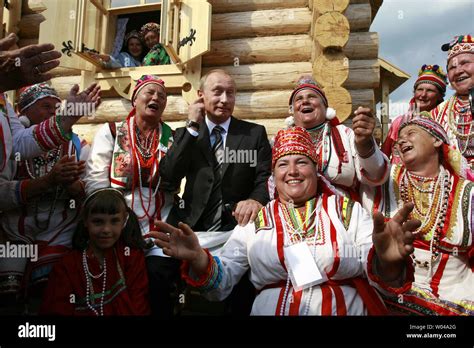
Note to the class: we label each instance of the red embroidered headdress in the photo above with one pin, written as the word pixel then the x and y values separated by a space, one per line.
pixel 291 141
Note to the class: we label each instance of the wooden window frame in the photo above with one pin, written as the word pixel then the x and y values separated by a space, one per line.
pixel 93 28
pixel 143 7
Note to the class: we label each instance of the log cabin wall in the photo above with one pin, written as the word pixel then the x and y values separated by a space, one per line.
pixel 265 45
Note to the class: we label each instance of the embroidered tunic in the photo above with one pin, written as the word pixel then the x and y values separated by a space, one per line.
pixel 457 118
pixel 111 164
pixel 445 286
pixel 341 247
pixel 340 162
pixel 18 143
pixel 48 221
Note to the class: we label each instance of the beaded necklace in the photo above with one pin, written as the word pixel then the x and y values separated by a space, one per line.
pixel 89 276
pixel 423 180
pixel 152 164
pixel 89 285
pixel 458 109
pixel 418 196
pixel 321 136
pixel 147 146
pixel 299 230
pixel 316 128
pixel 434 220
pixel 304 231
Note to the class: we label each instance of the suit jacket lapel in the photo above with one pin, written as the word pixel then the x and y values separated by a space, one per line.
pixel 204 142
pixel 234 137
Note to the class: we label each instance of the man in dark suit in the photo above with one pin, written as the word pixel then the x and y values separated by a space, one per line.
pixel 226 162
pixel 244 174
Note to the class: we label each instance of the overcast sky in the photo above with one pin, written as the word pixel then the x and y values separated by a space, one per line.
pixel 411 33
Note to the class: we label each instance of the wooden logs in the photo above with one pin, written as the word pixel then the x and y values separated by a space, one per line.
pixel 340 100
pixel 259 104
pixel 284 48
pixel 29 25
pixel 61 72
pixel 332 30
pixel 63 84
pixel 359 17
pixel 264 104
pixel 362 46
pixel 324 6
pixel 362 97
pixel 266 76
pixel 223 6
pixel 363 74
pixel 280 22
pixel 274 104
pixel 110 109
pixel 14 16
pixel 261 23
pixel 331 69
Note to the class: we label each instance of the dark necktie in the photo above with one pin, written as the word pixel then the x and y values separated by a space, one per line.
pixel 213 215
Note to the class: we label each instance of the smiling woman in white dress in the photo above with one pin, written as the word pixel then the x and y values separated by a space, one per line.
pixel 331 237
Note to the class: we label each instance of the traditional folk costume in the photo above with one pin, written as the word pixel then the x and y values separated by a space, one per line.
pixel 157 54
pixel 338 160
pixel 338 232
pixel 23 221
pixel 444 255
pixel 48 221
pixel 455 113
pixel 432 74
pixel 123 158
pixel 78 286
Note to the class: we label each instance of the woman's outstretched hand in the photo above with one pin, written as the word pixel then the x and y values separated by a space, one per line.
pixel 27 65
pixel 393 241
pixel 84 103
pixel 181 243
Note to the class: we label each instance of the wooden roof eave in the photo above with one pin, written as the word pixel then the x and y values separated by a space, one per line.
pixel 394 75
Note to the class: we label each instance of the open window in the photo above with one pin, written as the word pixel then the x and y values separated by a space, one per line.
pixel 81 27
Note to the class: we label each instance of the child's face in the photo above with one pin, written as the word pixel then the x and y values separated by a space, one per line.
pixel 105 229
pixel 135 47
